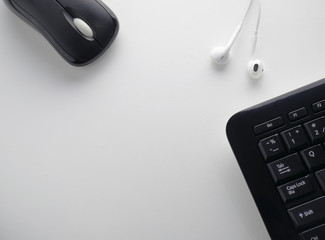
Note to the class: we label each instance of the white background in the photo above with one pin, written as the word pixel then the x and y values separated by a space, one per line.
pixel 134 145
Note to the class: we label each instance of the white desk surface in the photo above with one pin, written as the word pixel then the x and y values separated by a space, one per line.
pixel 133 147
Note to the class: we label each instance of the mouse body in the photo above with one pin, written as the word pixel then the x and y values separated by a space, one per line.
pixel 80 30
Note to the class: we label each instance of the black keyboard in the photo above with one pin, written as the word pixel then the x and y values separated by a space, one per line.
pixel 280 148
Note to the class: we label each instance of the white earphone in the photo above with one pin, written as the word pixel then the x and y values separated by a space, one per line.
pixel 220 55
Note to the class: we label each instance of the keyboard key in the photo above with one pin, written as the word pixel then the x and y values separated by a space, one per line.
pixel 314 234
pixel 295 138
pixel 296 189
pixel 309 214
pixel 314 157
pixel 298 114
pixel 287 168
pixel 271 147
pixel 321 178
pixel 319 106
pixel 269 125
pixel 316 129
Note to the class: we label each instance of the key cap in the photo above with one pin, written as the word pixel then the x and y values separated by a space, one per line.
pixel 268 126
pixel 298 114
pixel 295 138
pixel 319 106
pixel 309 214
pixel 316 129
pixel 271 147
pixel 287 168
pixel 296 189
pixel 321 178
pixel 314 157
pixel 317 233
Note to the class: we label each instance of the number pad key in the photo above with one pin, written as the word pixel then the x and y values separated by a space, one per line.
pixel 271 147
pixel 286 168
pixel 316 129
pixel 295 138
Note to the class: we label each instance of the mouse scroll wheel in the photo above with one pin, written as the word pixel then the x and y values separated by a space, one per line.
pixel 83 28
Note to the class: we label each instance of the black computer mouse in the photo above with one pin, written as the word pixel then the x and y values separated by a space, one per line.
pixel 80 30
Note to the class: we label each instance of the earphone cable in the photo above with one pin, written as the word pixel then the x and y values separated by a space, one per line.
pixel 255 38
pixel 247 11
pixel 259 14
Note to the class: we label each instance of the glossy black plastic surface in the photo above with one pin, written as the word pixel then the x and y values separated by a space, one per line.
pixel 53 19
pixel 244 142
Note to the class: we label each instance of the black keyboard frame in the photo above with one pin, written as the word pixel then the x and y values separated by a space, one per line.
pixel 244 143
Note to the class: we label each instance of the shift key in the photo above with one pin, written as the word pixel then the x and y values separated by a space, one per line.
pixel 309 214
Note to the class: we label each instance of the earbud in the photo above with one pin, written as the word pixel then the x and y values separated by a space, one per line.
pixel 220 55
pixel 255 68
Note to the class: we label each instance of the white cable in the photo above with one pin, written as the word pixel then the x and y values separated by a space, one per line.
pixel 239 27
pixel 259 16
pixel 246 14
pixel 255 37
pixel 220 55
